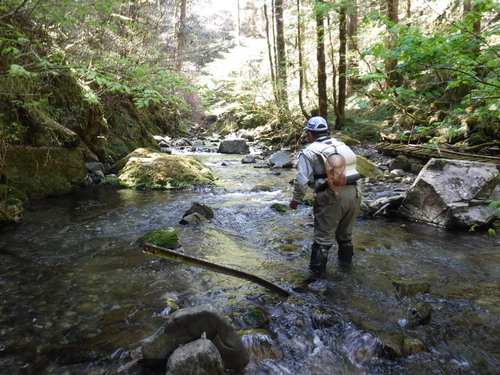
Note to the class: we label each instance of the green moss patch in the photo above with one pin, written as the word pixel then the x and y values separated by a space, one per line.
pixel 366 167
pixel 144 168
pixel 164 237
pixel 42 172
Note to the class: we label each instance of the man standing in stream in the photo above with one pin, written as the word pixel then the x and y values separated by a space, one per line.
pixel 337 196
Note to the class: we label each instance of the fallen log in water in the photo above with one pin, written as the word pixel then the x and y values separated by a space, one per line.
pixel 427 152
pixel 192 261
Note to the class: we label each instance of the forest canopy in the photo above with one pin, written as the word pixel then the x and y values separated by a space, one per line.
pixel 412 71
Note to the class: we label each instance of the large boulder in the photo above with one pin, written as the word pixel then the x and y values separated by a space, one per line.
pixel 42 172
pixel 453 194
pixel 190 324
pixel 234 146
pixel 144 168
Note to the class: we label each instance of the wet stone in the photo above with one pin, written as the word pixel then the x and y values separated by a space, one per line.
pixel 412 346
pixel 406 288
pixel 199 357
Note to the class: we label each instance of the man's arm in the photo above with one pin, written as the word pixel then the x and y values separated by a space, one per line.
pixel 302 179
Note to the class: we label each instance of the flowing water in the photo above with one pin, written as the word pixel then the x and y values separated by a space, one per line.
pixel 78 294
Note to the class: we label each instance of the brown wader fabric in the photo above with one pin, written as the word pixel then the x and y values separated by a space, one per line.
pixel 335 216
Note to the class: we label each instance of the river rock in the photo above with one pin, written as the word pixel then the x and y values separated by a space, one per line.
pixel 406 288
pixel 419 313
pixel 280 159
pixel 413 346
pixel 147 169
pixel 94 167
pixel 453 193
pixel 390 346
pixel 401 162
pixel 248 159
pixel 164 237
pixel 190 324
pixel 198 212
pixel 41 172
pixel 199 357
pixel 234 146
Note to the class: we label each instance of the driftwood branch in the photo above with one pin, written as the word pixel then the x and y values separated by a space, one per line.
pixel 426 152
pixel 192 261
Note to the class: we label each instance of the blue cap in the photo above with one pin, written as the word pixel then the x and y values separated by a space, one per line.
pixel 317 124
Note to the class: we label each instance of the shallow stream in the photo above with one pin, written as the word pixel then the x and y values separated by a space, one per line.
pixel 78 294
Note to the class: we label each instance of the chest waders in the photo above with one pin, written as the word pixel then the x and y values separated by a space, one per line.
pixel 335 176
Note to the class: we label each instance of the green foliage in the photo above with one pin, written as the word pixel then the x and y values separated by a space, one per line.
pixel 463 60
pixel 10 132
pixel 146 84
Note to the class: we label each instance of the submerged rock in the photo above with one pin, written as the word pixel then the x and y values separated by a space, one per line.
pixel 412 346
pixel 406 288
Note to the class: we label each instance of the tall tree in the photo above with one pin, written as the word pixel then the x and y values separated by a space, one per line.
pixel 301 60
pixel 270 54
pixel 281 55
pixel 352 47
pixel 340 107
pixel 391 62
pixel 181 35
pixel 238 23
pixel 320 57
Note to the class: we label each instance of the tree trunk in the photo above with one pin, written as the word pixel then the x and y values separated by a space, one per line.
pixel 181 36
pixel 320 57
pixel 270 55
pixel 281 56
pixel 352 47
pixel 332 55
pixel 301 61
pixel 340 108
pixel 391 63
pixel 238 23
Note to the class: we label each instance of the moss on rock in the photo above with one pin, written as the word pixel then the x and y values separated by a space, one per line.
pixel 164 237
pixel 44 172
pixel 145 168
pixel 366 167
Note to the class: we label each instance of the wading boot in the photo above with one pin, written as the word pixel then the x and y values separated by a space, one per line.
pixel 319 258
pixel 345 254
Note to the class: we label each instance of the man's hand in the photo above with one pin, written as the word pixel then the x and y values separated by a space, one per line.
pixel 293 204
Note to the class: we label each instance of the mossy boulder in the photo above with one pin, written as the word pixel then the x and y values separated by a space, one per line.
pixel 164 237
pixel 366 167
pixel 42 172
pixel 147 169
